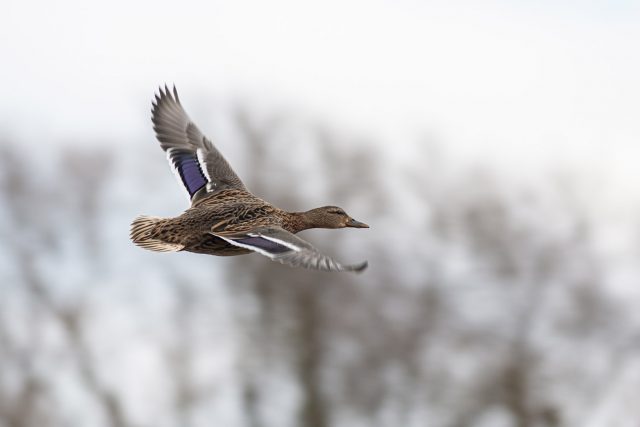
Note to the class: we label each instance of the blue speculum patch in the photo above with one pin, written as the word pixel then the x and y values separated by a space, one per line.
pixel 189 169
pixel 264 244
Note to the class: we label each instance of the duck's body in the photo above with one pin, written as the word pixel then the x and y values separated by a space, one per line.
pixel 235 210
pixel 225 219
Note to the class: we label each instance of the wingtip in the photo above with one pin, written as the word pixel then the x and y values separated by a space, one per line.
pixel 359 268
pixel 165 92
pixel 175 93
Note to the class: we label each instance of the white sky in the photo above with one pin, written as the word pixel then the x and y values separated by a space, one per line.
pixel 527 85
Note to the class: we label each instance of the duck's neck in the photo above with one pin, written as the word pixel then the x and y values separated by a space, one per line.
pixel 298 221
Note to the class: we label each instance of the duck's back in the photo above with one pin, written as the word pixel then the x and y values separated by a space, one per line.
pixel 227 210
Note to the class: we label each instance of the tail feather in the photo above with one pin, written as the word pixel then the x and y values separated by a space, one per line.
pixel 144 234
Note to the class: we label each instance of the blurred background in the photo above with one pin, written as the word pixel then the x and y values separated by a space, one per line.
pixel 492 146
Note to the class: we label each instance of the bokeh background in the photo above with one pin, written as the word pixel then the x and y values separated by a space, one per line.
pixel 492 146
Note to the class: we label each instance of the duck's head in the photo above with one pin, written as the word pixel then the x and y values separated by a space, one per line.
pixel 331 217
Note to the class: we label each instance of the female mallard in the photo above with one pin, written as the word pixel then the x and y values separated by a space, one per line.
pixel 224 217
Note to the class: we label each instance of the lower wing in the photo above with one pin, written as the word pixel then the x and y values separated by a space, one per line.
pixel 280 245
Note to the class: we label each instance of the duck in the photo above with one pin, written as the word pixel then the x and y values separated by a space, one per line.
pixel 224 218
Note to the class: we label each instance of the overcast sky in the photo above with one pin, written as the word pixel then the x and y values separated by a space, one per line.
pixel 528 85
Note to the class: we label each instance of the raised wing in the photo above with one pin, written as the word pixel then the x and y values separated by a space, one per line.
pixel 286 248
pixel 198 165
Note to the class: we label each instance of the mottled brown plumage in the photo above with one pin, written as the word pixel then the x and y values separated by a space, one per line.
pixel 225 218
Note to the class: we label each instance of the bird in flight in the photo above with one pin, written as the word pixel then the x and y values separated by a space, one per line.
pixel 224 217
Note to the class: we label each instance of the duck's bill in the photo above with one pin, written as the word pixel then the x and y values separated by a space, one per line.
pixel 356 224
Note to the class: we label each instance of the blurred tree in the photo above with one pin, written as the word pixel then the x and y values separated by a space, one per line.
pixel 480 299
